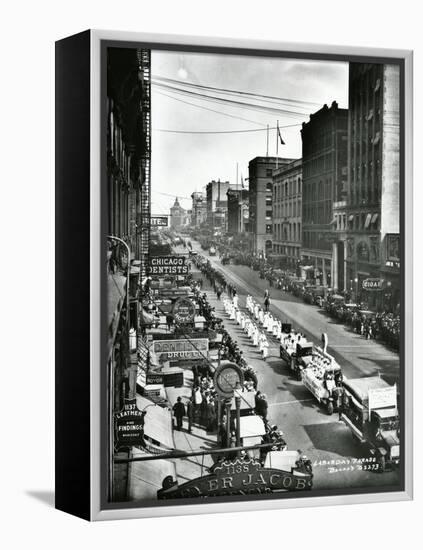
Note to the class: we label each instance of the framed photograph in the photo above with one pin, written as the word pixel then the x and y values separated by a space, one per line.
pixel 233 275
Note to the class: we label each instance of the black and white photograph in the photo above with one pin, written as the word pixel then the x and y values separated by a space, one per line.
pixel 253 276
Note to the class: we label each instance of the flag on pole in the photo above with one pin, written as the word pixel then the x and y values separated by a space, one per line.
pixel 279 134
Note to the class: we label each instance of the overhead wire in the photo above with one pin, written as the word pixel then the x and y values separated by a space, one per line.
pixel 225 131
pixel 211 110
pixel 236 92
pixel 232 102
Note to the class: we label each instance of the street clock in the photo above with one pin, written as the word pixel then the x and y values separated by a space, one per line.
pixel 227 378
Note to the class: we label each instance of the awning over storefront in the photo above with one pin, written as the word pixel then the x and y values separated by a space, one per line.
pixel 157 422
pixel 248 400
pixel 350 217
pixel 281 460
pixel 252 426
pixel 116 293
pixel 375 217
pixel 333 222
pixel 146 477
pixel 116 290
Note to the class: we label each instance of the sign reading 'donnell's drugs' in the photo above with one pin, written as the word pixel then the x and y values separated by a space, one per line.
pixel 129 425
pixel 164 350
pixel 168 265
pixel 237 477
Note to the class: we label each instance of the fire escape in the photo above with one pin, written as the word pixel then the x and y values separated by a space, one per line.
pixel 144 213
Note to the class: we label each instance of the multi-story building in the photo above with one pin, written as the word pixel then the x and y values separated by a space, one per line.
pixel 128 220
pixel 177 215
pixel 367 227
pixel 199 208
pixel 237 206
pixel 244 218
pixel 260 171
pixel 217 204
pixel 324 144
pixel 287 182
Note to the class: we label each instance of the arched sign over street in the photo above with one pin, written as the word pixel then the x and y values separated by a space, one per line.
pixel 238 477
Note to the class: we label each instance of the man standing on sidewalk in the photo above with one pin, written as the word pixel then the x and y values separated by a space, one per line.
pixel 179 413
pixel 190 414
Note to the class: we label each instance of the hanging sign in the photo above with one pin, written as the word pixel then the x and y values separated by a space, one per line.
pixel 183 311
pixel 168 265
pixel 129 425
pixel 372 284
pixel 158 221
pixel 166 350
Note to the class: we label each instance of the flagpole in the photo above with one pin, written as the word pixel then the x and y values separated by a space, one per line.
pixel 267 141
pixel 237 188
pixel 277 142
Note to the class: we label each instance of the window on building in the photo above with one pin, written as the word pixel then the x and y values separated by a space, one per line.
pixel 269 172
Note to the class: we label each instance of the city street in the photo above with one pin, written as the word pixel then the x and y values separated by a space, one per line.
pixel 358 357
pixel 292 202
pixel 335 454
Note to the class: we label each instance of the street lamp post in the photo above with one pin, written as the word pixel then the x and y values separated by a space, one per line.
pixel 237 394
pixel 356 289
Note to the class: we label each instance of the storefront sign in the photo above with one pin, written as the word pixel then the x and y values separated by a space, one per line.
pixel 168 265
pixel 172 292
pixel 237 477
pixel 154 378
pixel 372 284
pixel 158 221
pixel 183 311
pixel 383 397
pixel 129 425
pixel 166 350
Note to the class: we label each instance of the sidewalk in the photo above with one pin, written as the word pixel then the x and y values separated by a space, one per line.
pixel 199 439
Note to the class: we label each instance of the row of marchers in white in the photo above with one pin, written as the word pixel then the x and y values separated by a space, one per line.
pixel 255 330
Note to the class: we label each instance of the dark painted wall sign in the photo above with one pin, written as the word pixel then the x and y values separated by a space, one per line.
pixel 238 477
pixel 129 425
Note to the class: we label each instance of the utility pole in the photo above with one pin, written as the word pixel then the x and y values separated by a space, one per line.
pixel 267 141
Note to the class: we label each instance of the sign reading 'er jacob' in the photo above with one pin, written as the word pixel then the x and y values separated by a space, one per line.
pixel 168 265
pixel 129 425
pixel 238 477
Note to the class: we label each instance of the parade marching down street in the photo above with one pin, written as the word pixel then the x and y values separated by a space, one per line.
pixel 263 320
pixel 336 457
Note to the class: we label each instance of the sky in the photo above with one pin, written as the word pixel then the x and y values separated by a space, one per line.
pixel 183 162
